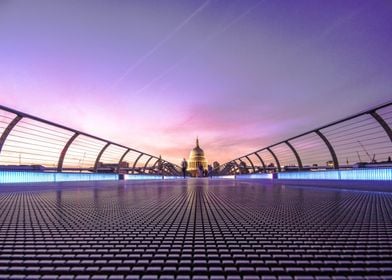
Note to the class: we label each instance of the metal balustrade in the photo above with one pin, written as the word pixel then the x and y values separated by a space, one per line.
pixel 34 144
pixel 361 140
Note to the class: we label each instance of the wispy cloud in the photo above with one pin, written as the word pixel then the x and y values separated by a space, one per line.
pixel 203 44
pixel 154 49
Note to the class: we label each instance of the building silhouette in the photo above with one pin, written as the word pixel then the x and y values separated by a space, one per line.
pixel 196 158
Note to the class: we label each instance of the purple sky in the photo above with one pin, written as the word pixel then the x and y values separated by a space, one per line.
pixel 153 75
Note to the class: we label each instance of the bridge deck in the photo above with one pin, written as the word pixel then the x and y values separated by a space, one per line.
pixel 193 229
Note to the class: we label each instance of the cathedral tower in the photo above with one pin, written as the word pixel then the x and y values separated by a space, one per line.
pixel 196 158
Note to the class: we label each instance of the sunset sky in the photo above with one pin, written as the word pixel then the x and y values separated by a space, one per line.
pixel 154 75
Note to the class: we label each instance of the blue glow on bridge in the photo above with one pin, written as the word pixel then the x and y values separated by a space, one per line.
pixel 34 177
pixel 379 174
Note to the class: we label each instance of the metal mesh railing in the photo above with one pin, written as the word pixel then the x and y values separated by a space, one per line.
pixel 312 149
pixel 361 140
pixel 31 143
pixel 112 154
pixel 83 152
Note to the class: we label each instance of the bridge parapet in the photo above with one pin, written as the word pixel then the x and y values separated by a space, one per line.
pixel 35 144
pixel 360 140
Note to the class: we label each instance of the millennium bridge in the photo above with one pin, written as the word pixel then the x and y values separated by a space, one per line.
pixel 315 206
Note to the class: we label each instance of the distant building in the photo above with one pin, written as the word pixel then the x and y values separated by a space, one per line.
pixel 330 164
pixel 196 158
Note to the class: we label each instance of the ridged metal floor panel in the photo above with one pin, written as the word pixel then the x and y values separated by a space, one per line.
pixel 193 229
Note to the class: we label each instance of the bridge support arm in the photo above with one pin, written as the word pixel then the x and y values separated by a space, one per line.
pixel 276 159
pixel 8 130
pixel 262 161
pixel 237 167
pixel 121 160
pixel 330 148
pixel 251 163
pixel 295 154
pixel 155 164
pixel 99 156
pixel 134 164
pixel 64 152
pixel 383 124
pixel 145 166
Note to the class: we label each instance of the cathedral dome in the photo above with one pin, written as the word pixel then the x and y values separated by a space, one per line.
pixel 196 151
pixel 196 158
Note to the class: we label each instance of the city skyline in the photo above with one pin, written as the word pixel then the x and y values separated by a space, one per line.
pixel 155 75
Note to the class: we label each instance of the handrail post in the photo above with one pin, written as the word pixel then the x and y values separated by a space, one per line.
pixel 134 164
pixel 99 157
pixel 121 160
pixel 145 166
pixel 295 154
pixel 64 152
pixel 8 130
pixel 275 157
pixel 262 161
pixel 251 163
pixel 330 148
pixel 382 123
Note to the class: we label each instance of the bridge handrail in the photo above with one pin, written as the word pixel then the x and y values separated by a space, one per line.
pixel 370 131
pixel 41 143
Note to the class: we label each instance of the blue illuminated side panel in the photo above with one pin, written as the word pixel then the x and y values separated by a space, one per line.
pixel 25 177
pixel 37 177
pixel 172 177
pixel 255 176
pixel 141 177
pixel 380 174
pixel 64 177
pixel 226 177
pixel 316 175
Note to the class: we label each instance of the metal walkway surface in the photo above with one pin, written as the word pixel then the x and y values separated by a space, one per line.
pixel 193 229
